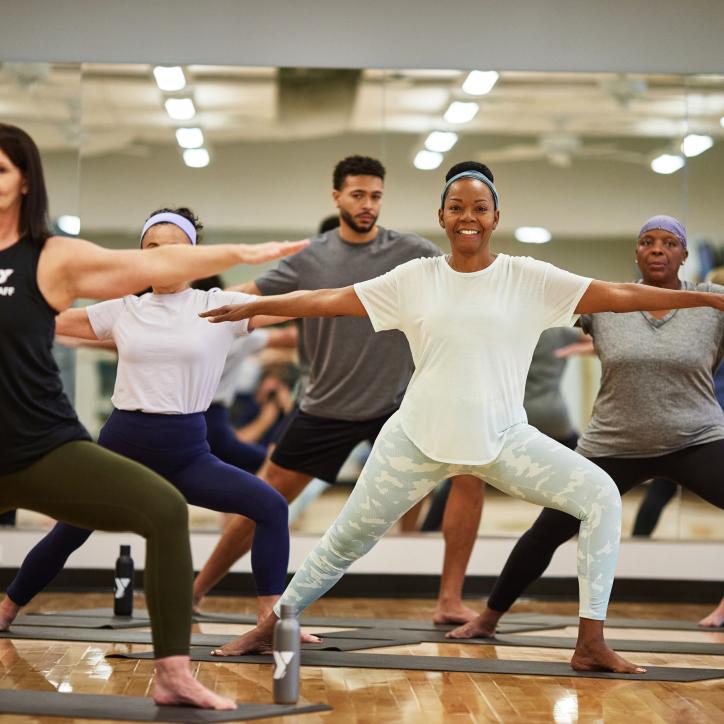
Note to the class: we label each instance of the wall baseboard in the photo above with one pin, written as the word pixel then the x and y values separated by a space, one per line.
pixel 360 585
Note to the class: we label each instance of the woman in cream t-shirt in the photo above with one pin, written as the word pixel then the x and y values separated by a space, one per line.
pixel 472 320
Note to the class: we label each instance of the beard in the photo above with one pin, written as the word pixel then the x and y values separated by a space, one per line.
pixel 354 224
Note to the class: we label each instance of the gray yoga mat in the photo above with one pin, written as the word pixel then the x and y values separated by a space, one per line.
pixel 541 642
pixel 62 621
pixel 134 708
pixel 454 664
pixel 339 622
pixel 109 636
pixel 645 623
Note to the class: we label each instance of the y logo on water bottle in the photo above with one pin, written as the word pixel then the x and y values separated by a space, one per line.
pixel 282 659
pixel 121 586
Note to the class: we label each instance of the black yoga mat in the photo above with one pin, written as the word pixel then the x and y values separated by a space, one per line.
pixel 455 664
pixel 109 636
pixel 134 708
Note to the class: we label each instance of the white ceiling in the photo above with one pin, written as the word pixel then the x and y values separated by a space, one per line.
pixel 119 109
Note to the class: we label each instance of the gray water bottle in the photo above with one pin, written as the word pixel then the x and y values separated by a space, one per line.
pixel 286 657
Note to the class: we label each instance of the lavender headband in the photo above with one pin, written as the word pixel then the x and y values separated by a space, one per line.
pixel 168 217
pixel 665 223
pixel 471 174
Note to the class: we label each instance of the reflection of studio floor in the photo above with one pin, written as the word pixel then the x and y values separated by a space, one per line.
pixel 370 695
pixel 693 519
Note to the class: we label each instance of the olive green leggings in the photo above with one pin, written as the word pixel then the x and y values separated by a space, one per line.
pixel 83 484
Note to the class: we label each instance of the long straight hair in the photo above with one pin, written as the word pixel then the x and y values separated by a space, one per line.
pixel 20 148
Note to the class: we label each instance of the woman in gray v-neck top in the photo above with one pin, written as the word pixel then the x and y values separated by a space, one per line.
pixel 656 414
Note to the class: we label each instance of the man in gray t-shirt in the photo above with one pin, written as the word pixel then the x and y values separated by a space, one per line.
pixel 357 378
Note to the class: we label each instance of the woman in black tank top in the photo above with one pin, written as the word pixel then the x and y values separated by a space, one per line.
pixel 47 462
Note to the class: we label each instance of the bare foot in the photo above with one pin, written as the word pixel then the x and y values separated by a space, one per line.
pixel 257 641
pixel 597 656
pixel 8 612
pixel 482 626
pixel 175 686
pixel 453 613
pixel 716 618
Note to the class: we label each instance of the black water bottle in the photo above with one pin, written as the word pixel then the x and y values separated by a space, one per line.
pixel 123 600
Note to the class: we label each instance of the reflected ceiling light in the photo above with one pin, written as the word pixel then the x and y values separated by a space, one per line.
pixel 461 111
pixel 480 82
pixel 667 163
pixel 69 224
pixel 532 234
pixel 721 121
pixel 169 78
pixel 196 157
pixel 694 144
pixel 180 109
pixel 427 160
pixel 441 141
pixel 189 137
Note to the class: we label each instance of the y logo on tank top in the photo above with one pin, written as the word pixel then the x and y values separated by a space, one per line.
pixel 4 276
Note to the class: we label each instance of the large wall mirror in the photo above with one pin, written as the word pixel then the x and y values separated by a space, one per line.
pixel 580 159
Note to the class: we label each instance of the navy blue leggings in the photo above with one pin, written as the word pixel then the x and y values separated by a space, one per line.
pixel 175 447
pixel 226 446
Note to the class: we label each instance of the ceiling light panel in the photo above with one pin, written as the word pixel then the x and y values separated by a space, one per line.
pixel 169 78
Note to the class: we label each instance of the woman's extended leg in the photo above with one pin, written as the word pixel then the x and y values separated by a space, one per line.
pixel 45 560
pixel 395 476
pixel 82 484
pixel 540 470
pixel 212 484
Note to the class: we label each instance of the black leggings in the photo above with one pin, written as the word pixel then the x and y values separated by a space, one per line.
pixel 658 494
pixel 697 468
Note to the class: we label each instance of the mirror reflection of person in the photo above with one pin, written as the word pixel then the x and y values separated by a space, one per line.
pixel 356 378
pixel 655 415
pixel 47 462
pixel 472 320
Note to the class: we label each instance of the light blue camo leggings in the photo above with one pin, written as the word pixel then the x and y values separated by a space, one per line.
pixel 531 466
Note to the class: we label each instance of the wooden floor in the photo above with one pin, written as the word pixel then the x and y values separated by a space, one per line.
pixel 392 696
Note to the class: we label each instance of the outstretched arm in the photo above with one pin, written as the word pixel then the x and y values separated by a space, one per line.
pixel 73 268
pixel 342 302
pixel 610 297
pixel 74 323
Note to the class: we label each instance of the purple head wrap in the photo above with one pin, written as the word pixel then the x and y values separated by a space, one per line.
pixel 168 217
pixel 665 223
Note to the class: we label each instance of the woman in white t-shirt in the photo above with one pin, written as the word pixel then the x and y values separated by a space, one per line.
pixel 169 366
pixel 472 320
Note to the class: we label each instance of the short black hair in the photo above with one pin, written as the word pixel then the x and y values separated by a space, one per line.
pixel 184 211
pixel 469 166
pixel 20 148
pixel 208 283
pixel 356 166
pixel 328 223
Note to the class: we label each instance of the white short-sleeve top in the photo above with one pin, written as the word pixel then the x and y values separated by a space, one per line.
pixel 169 359
pixel 472 337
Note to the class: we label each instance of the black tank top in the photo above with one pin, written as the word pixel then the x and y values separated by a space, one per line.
pixel 35 415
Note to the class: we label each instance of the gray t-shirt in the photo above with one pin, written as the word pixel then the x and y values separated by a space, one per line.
pixel 657 388
pixel 544 404
pixel 354 374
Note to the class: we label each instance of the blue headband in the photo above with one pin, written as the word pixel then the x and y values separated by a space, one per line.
pixel 665 223
pixel 471 174
pixel 168 217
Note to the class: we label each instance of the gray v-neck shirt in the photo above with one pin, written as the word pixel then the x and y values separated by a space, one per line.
pixel 657 387
pixel 354 374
